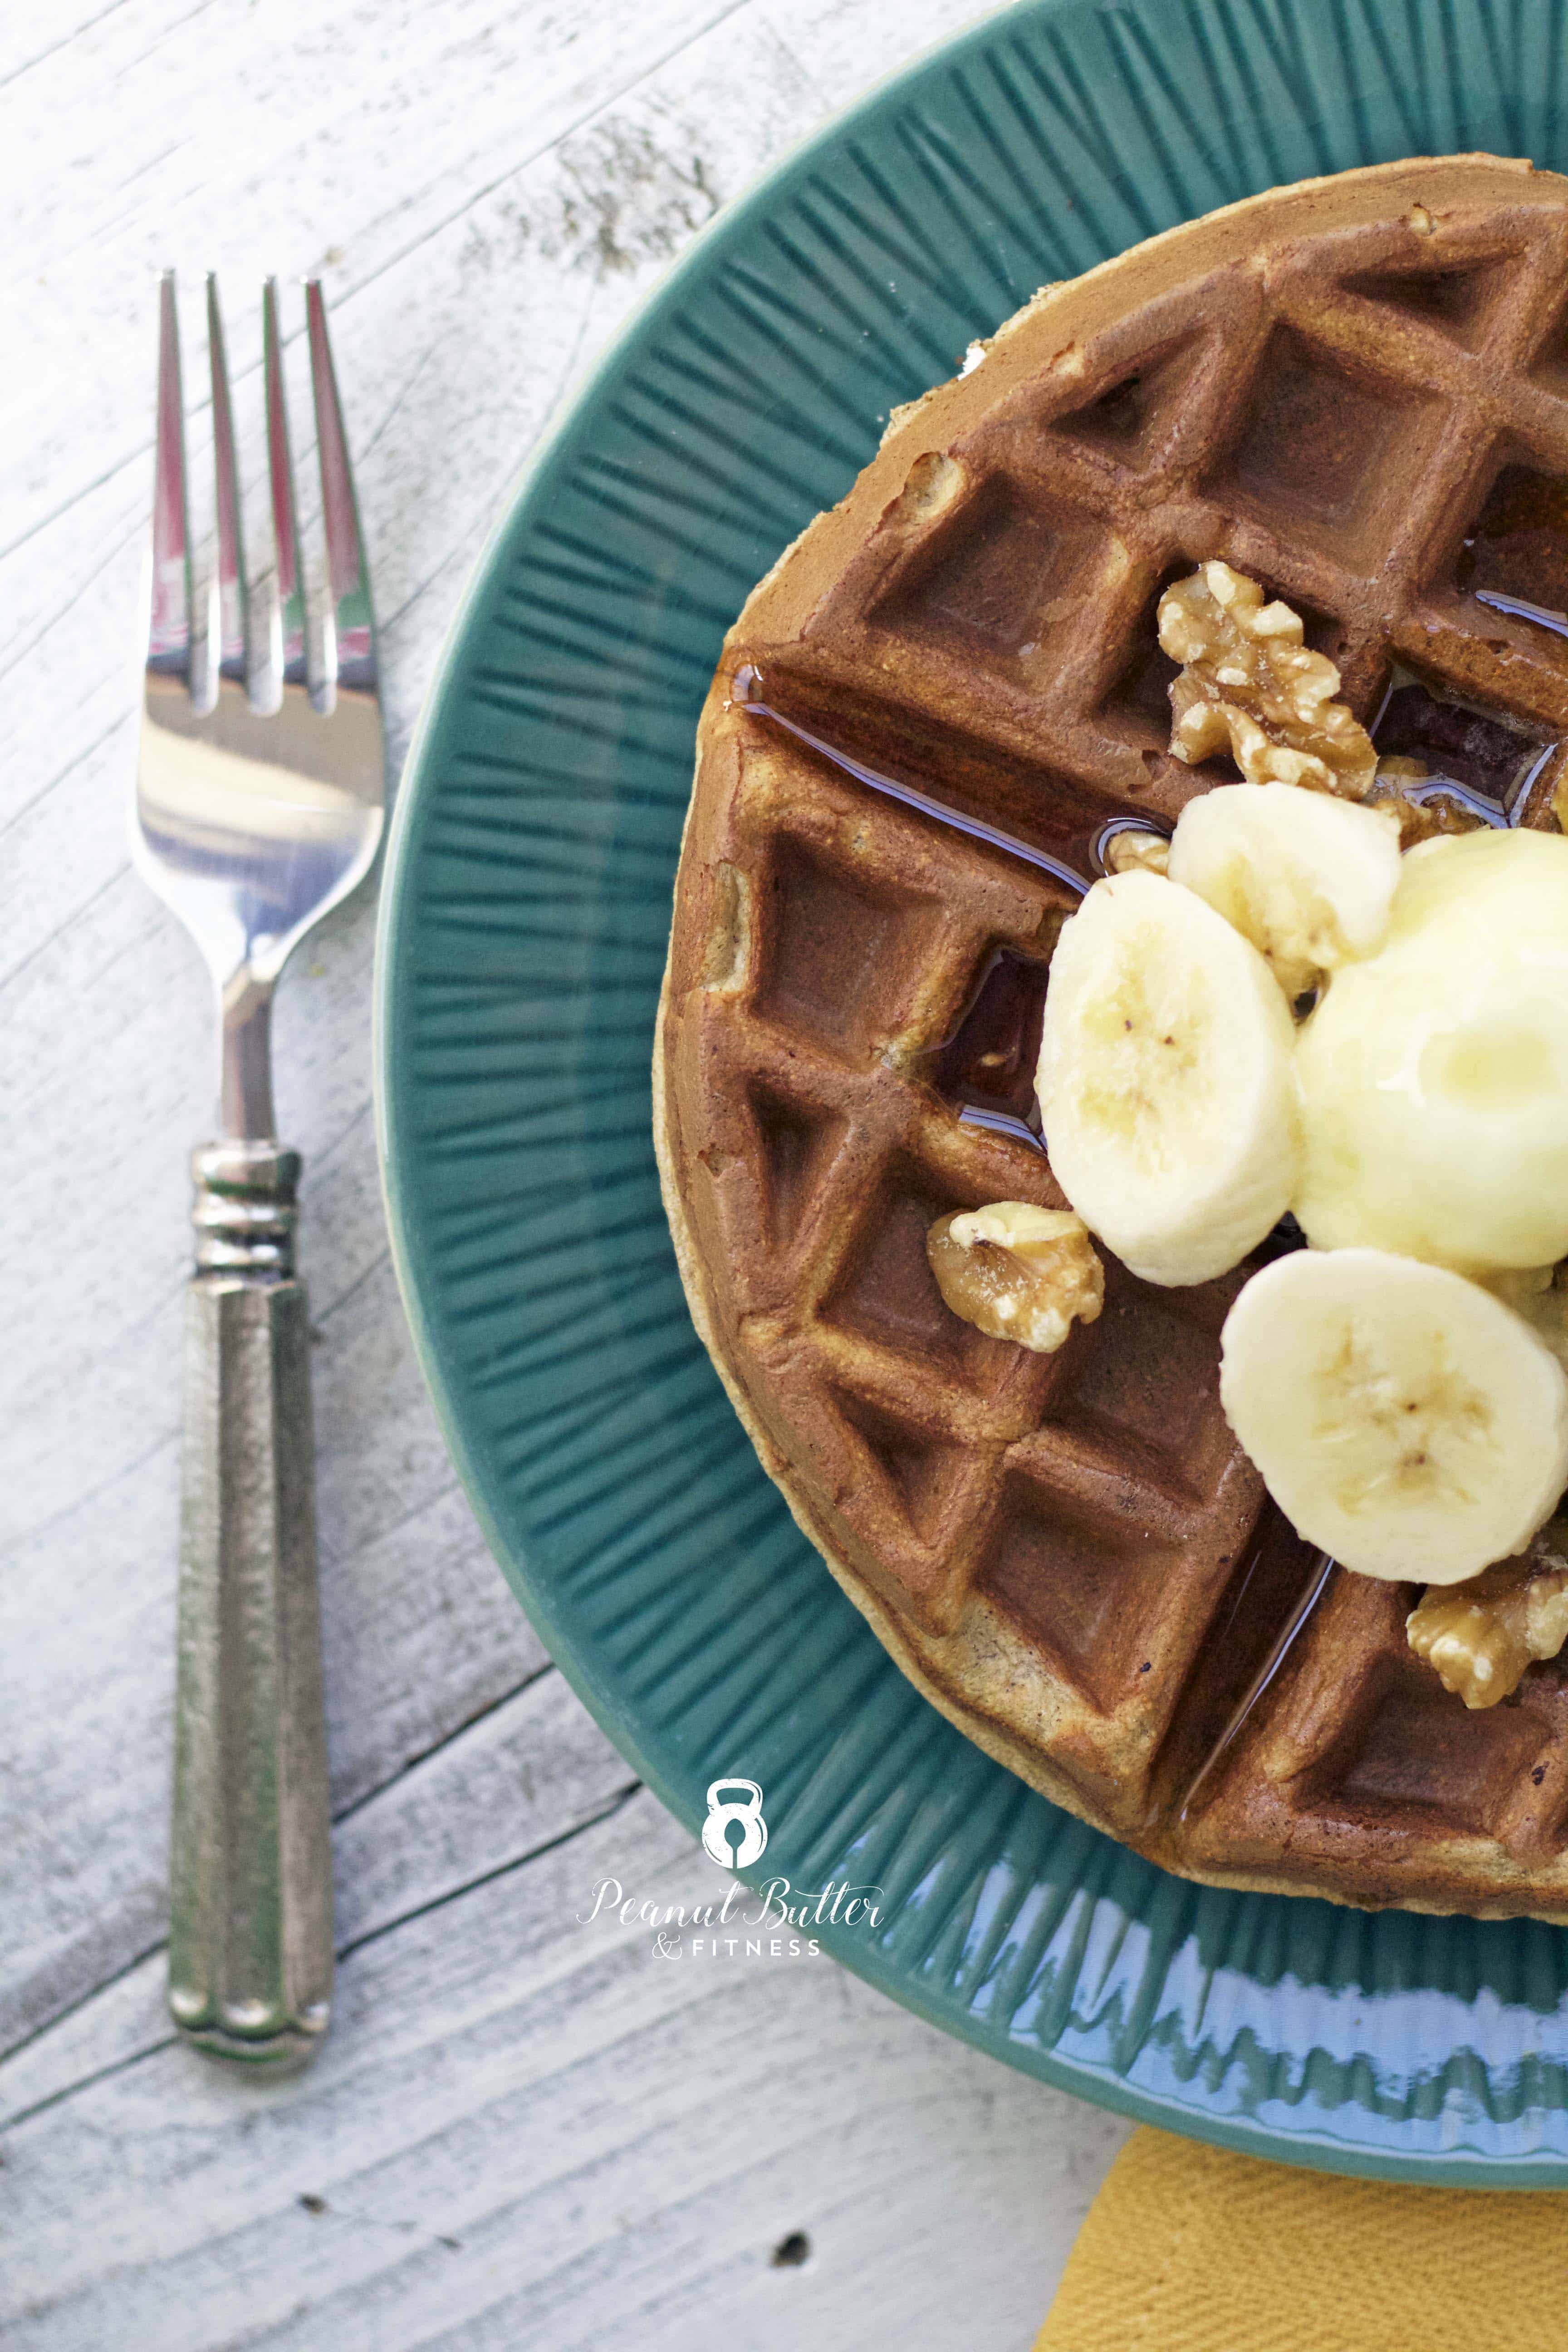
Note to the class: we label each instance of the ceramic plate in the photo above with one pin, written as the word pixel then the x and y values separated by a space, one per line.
pixel 525 916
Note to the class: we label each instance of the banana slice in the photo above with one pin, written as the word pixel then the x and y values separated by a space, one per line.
pixel 1435 1077
pixel 1166 1080
pixel 1402 1418
pixel 1308 878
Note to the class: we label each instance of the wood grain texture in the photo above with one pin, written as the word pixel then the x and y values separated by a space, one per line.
pixel 613 2141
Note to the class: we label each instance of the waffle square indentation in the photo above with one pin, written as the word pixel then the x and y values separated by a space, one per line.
pixel 1142 1389
pixel 1517 546
pixel 840 956
pixel 1457 298
pixel 794 1145
pixel 1419 1751
pixel 1000 575
pixel 1128 418
pixel 1085 1591
pixel 920 1474
pixel 1324 452
pixel 887 1298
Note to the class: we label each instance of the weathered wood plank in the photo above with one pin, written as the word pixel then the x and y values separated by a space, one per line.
pixel 614 2140
pixel 527 1772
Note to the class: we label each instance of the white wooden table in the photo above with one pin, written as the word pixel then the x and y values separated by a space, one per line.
pixel 524 2132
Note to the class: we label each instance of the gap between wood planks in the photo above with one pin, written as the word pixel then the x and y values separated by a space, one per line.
pixel 345 1952
pixel 618 1797
pixel 545 1679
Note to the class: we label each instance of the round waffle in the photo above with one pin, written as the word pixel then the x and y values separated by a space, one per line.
pixel 1356 391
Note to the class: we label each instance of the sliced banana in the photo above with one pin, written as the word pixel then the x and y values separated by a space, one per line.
pixel 1308 878
pixel 1166 1080
pixel 1537 1293
pixel 1403 1419
pixel 1435 1077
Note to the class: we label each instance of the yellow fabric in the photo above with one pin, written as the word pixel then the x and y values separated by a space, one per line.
pixel 1189 2249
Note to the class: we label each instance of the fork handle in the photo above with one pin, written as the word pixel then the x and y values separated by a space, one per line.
pixel 250 1949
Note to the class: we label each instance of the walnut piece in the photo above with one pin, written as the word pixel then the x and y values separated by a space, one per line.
pixel 1133 851
pixel 1418 820
pixel 1249 686
pixel 1017 1273
pixel 1481 1635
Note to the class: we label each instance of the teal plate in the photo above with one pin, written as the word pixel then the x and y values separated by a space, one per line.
pixel 525 917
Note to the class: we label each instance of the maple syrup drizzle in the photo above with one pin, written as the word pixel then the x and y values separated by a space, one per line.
pixel 999 1122
pixel 986 1069
pixel 745 692
pixel 1279 1650
pixel 1479 760
pixel 1542 615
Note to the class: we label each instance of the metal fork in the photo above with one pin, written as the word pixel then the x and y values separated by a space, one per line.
pixel 258 807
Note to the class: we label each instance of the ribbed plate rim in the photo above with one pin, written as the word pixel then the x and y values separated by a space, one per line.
pixel 395 929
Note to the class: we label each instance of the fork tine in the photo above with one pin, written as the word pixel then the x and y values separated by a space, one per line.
pixel 231 596
pixel 169 626
pixel 351 628
pixel 288 617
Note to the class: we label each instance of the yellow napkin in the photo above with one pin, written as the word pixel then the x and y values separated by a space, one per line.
pixel 1189 2249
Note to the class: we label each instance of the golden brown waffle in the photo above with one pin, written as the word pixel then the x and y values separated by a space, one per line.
pixel 1356 392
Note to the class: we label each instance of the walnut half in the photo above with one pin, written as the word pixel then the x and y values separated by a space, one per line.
pixel 1479 1636
pixel 1249 686
pixel 1017 1273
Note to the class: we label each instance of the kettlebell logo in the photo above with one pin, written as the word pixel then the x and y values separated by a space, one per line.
pixel 734 1833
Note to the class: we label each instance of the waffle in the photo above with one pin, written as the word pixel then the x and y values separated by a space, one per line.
pixel 1356 391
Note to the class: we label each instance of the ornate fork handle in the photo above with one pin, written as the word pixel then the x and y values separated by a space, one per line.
pixel 259 805
pixel 250 1953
